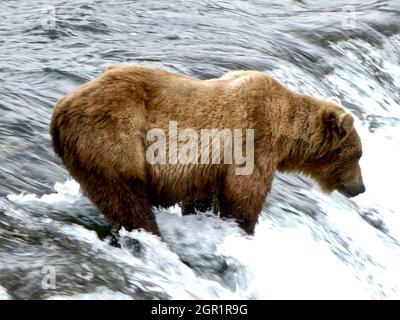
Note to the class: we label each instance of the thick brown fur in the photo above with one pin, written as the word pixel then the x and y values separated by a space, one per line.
pixel 99 133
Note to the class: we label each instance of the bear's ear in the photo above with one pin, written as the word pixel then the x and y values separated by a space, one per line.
pixel 111 66
pixel 338 125
pixel 346 122
pixel 335 100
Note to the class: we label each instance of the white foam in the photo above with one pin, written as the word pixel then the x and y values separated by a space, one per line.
pixel 290 264
pixel 4 294
pixel 161 269
pixel 357 83
pixel 380 170
pixel 68 191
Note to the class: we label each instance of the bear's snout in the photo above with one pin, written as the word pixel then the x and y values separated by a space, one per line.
pixel 352 191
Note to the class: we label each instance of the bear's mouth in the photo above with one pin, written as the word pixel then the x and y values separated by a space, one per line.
pixel 351 192
pixel 345 192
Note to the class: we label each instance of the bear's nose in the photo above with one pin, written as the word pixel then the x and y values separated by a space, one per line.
pixel 362 189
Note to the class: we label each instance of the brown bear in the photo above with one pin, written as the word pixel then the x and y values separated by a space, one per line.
pixel 100 133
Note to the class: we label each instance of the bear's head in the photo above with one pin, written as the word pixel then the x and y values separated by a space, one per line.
pixel 337 162
pixel 326 146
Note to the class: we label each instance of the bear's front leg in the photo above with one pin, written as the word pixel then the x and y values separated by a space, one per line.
pixel 243 198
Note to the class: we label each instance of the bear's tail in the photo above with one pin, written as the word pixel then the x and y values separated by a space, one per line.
pixel 56 125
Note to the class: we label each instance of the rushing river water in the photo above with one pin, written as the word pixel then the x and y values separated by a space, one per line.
pixel 307 244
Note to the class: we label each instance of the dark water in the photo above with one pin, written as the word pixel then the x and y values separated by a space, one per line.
pixel 307 244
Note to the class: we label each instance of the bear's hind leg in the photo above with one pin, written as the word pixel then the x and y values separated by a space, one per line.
pixel 124 203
